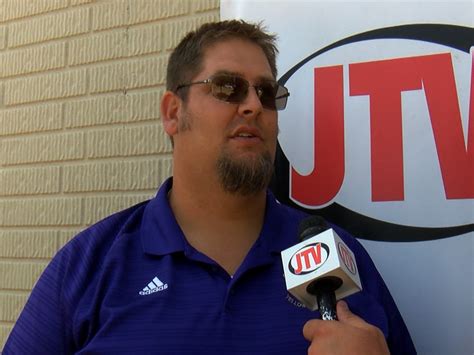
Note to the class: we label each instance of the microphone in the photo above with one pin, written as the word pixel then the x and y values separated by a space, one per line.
pixel 321 269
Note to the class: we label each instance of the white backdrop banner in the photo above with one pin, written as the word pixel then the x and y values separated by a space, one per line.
pixel 378 137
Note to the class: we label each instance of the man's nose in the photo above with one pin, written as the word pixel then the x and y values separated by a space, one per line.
pixel 252 104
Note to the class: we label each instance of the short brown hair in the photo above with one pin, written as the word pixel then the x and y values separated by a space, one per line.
pixel 186 59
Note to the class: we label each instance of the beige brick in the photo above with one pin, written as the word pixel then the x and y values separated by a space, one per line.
pixel 96 111
pixel 30 60
pixel 128 75
pixel 110 14
pixel 53 147
pixel 149 10
pixel 97 208
pixel 11 306
pixel 117 44
pixel 79 2
pixel 14 9
pixel 46 86
pixel 110 45
pixel 205 5
pixel 111 77
pixel 29 119
pixel 176 30
pixel 28 244
pixel 144 40
pixel 4 332
pixel 29 181
pixel 3 37
pixel 144 106
pixel 41 212
pixel 117 175
pixel 2 95
pixel 129 12
pixel 20 275
pixel 48 27
pixel 113 109
pixel 146 72
pixel 127 141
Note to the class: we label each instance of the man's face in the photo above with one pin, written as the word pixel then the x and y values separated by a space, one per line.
pixel 235 142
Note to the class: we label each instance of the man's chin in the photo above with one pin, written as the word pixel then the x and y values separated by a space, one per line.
pixel 252 156
pixel 245 175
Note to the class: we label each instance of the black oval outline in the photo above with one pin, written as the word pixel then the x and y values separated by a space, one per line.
pixel 359 225
pixel 292 269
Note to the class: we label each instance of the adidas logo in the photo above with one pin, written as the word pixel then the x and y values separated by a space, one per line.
pixel 154 286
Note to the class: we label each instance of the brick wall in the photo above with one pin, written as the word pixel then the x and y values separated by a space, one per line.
pixel 80 136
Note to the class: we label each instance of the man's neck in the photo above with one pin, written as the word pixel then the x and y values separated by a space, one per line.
pixel 222 225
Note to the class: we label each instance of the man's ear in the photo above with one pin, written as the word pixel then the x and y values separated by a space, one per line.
pixel 170 111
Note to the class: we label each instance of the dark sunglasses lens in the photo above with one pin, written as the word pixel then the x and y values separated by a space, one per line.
pixel 281 97
pixel 267 93
pixel 273 96
pixel 229 88
pixel 234 89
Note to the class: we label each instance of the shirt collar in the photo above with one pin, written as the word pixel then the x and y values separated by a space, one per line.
pixel 162 235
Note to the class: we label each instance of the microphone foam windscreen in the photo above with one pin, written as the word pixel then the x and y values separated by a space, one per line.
pixel 311 226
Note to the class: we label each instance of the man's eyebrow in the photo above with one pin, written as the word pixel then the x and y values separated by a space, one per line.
pixel 228 72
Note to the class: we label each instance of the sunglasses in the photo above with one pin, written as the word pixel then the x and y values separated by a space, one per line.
pixel 234 89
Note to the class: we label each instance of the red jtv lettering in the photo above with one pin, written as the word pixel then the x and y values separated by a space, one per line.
pixel 384 81
pixel 323 183
pixel 308 258
pixel 456 159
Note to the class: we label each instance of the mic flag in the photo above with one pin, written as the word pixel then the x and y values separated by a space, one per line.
pixel 319 263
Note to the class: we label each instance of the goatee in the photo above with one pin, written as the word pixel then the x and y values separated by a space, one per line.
pixel 245 177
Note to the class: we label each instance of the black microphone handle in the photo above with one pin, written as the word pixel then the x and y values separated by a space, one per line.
pixel 327 305
pixel 324 290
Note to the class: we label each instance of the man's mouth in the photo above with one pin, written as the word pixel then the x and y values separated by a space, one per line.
pixel 245 135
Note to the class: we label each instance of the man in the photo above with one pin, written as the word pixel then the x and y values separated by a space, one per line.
pixel 197 269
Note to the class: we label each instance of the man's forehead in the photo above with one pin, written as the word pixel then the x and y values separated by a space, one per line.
pixel 260 77
pixel 231 60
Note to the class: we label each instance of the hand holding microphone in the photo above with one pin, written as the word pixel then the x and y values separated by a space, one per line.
pixel 320 270
pixel 350 335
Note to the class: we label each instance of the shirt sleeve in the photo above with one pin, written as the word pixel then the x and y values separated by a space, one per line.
pixel 398 338
pixel 51 321
pixel 43 327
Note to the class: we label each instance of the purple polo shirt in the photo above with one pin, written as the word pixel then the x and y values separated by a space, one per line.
pixel 132 284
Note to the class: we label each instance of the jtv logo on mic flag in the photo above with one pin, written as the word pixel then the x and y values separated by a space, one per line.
pixel 320 256
pixel 407 174
pixel 309 258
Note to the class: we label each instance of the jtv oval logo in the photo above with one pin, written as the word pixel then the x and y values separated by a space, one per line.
pixel 308 259
pixel 378 134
